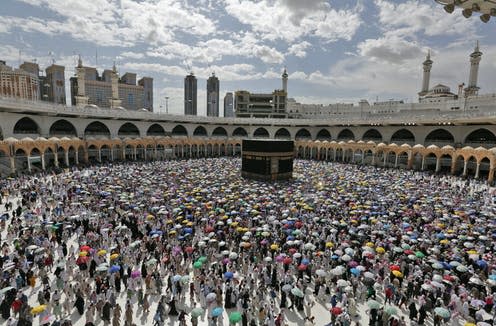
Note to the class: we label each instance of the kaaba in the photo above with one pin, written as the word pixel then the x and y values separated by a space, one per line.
pixel 267 159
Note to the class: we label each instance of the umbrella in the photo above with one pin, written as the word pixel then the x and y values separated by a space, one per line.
pixel 462 268
pixel 391 310
pixel 114 256
pixel 342 283
pixel 336 310
pixel 234 317
pixel 197 264
pixel 321 273
pixel 211 297
pixel 102 252
pixel 114 268
pixel 6 289
pixel 217 311
pixel 297 292
pixel 373 304
pixel 152 261
pixel 442 312
pixel 135 274
pixel 85 248
pixel 397 273
pixel 228 275
pixel 38 309
pixel 287 287
pixel 197 312
pixel 368 275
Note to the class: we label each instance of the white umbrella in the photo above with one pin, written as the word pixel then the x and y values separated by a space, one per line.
pixel 321 273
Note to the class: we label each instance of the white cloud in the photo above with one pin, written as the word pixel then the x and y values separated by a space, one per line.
pixel 299 49
pixel 419 16
pixel 390 49
pixel 132 55
pixel 291 20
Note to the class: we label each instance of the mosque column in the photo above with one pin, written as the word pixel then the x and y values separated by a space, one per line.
pixel 410 161
pixel 396 161
pixel 477 171
pixel 111 154
pixel 29 162
pixel 423 163
pixel 12 164
pixel 99 151
pixel 385 159
pixel 134 153
pixel 453 166
pixel 56 158
pixel 66 157
pixel 490 176
pixel 42 161
pixel 334 154
pixel 465 166
pixel 363 157
pixel 76 156
pixel 373 158
pixel 438 164
pixel 352 157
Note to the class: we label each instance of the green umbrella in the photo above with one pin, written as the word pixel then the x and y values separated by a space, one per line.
pixel 234 317
pixel 152 261
pixel 419 254
pixel 390 310
pixel 198 264
pixel 442 312
pixel 6 289
pixel 297 292
pixel 185 279
pixel 202 259
pixel 373 304
pixel 197 312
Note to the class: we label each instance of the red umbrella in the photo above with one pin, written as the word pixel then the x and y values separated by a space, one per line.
pixel 336 311
pixel 82 260
pixel 394 267
pixel 209 229
pixel 409 252
pixel 298 225
pixel 287 261
pixel 189 249
pixel 302 267
pixel 292 251
pixel 85 248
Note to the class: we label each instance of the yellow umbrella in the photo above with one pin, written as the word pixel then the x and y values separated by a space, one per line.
pixel 274 246
pixel 472 252
pixel 83 254
pixel 370 244
pixel 114 256
pixel 397 273
pixel 172 232
pixel 329 244
pixel 469 324
pixel 380 250
pixel 102 252
pixel 444 241
pixel 38 309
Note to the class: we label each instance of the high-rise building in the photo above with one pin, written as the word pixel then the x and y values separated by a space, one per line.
pixel 190 94
pixel 110 91
pixel 19 83
pixel 213 96
pixel 55 81
pixel 228 105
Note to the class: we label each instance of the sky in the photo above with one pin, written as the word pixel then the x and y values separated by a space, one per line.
pixel 335 51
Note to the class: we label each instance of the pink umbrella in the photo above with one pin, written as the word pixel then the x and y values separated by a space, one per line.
pixel 279 258
pixel 135 274
pixel 353 264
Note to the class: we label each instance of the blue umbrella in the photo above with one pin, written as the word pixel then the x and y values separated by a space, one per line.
pixel 228 275
pixel 305 261
pixel 334 257
pixel 176 278
pixel 217 311
pixel 355 271
pixel 446 265
pixel 114 268
pixel 481 263
pixel 492 277
pixel 188 230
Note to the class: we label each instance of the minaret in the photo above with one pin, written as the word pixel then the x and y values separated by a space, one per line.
pixel 285 80
pixel 115 101
pixel 81 98
pixel 475 58
pixel 427 74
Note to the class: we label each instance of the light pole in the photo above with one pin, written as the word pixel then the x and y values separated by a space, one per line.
pixel 166 105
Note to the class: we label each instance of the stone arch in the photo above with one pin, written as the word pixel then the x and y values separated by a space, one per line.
pixel 179 130
pixel 303 134
pixel 219 132
pixel 403 136
pixel 445 163
pixel 372 135
pixel 323 134
pixel 481 137
pixel 471 166
pixel 25 126
pixel 240 132
pixel 62 128
pixel 92 153
pixel 96 129
pixel 282 133
pixel 261 133
pixel 440 137
pixel 155 130
pixel 128 130
pixel 346 134
pixel 105 153
pixel 200 131
pixel 484 167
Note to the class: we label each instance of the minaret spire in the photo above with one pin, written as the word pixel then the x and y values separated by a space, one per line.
pixel 475 58
pixel 427 64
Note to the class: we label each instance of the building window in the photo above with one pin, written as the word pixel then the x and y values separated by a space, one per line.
pixel 130 99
